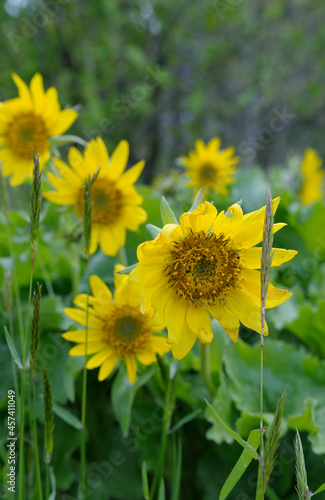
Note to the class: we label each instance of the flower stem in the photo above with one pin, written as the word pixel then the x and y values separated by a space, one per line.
pixel 22 396
pixel 84 398
pixel 169 402
pixel 38 470
pixel 205 369
pixel 47 483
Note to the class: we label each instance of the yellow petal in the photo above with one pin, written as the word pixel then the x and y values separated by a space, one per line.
pixel 251 257
pixel 100 290
pixel 64 121
pixel 248 313
pixel 175 317
pixel 131 367
pixel 92 347
pixel 60 197
pixel 159 344
pixel 252 286
pixel 79 336
pixel 99 358
pixel 200 323
pixel 227 319
pixel 23 89
pixel 134 216
pixel 201 219
pixel 37 92
pixel 80 317
pixel 228 225
pixel 185 343
pixel 130 176
pixel 108 243
pixel 107 367
pixel 147 357
pixel 119 160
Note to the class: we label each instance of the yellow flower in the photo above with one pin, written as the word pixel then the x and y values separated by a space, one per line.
pixel 313 177
pixel 115 202
pixel 27 122
pixel 117 328
pixel 207 266
pixel 208 167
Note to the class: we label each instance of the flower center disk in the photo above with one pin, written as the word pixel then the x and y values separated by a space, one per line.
pixel 27 132
pixel 208 172
pixel 127 331
pixel 106 202
pixel 203 268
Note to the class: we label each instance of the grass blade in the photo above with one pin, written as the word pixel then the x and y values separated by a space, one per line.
pixel 234 434
pixel 145 484
pixel 242 464
pixel 12 349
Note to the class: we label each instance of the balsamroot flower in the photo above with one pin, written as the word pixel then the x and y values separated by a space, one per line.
pixel 208 167
pixel 313 178
pixel 117 329
pixel 28 122
pixel 115 202
pixel 206 266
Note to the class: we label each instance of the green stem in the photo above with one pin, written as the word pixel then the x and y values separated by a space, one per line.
pixel 38 470
pixel 47 478
pixel 261 483
pixel 22 399
pixel 169 403
pixel 75 268
pixel 206 370
pixel 84 399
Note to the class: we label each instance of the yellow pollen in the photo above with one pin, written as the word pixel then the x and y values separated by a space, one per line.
pixel 127 331
pixel 203 268
pixel 26 132
pixel 107 202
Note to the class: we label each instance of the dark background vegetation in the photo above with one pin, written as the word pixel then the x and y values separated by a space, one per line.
pixel 221 67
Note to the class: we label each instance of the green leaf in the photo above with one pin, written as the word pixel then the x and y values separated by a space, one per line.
pixel 242 464
pixel 234 434
pixel 123 393
pixel 222 401
pixel 320 489
pixel 12 349
pixel 145 485
pixel 127 270
pixel 67 417
pixel 197 200
pixel 284 364
pixel 153 230
pixel 185 420
pixel 309 327
pixel 167 215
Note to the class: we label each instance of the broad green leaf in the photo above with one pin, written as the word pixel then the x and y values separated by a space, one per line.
pixel 242 464
pixel 284 364
pixel 167 215
pixel 12 349
pixel 320 489
pixel 234 434
pixel 306 421
pixel 68 417
pixel 309 327
pixel 123 393
pixel 145 485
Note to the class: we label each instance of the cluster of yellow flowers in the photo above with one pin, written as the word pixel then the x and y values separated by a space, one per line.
pixel 207 265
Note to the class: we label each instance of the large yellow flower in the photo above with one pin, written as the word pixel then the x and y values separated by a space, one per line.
pixel 313 178
pixel 27 122
pixel 207 266
pixel 115 202
pixel 117 329
pixel 208 167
